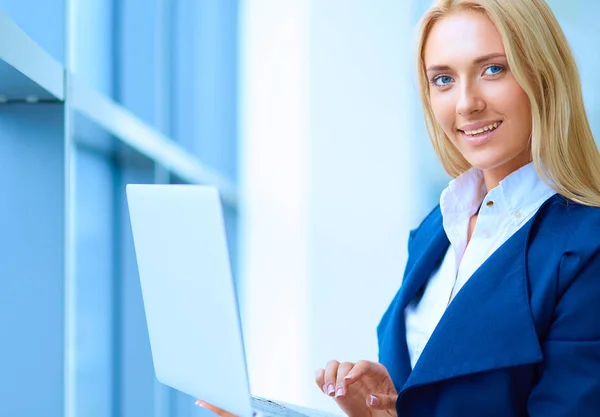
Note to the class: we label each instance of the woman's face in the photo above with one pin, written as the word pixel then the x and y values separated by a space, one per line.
pixel 474 96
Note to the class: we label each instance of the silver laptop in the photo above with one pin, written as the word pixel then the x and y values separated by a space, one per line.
pixel 190 300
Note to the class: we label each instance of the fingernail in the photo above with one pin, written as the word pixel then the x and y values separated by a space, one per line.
pixel 199 403
pixel 324 389
pixel 339 392
pixel 373 401
pixel 330 389
pixel 348 376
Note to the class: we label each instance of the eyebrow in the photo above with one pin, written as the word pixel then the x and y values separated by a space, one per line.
pixel 475 62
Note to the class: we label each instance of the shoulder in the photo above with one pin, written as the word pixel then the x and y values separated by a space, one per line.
pixel 573 229
pixel 431 222
pixel 577 224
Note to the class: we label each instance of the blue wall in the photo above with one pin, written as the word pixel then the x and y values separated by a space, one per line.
pixel 74 337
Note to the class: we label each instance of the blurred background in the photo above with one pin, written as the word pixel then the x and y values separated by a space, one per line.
pixel 304 113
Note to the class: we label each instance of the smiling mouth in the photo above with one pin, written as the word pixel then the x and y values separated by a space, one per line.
pixel 482 131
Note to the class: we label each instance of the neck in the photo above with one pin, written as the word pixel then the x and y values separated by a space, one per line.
pixel 493 176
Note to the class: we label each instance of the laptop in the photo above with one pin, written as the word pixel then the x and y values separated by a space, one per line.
pixel 189 298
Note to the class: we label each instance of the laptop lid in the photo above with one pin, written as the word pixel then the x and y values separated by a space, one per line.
pixel 188 293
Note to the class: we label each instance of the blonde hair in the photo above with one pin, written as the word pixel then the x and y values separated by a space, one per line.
pixel 562 146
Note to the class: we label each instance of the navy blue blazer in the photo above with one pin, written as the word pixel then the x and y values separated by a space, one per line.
pixel 521 338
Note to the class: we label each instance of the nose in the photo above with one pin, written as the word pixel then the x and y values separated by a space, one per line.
pixel 470 100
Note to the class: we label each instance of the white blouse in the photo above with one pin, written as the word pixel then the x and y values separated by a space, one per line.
pixel 503 211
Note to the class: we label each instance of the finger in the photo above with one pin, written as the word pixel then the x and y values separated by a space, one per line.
pixel 340 383
pixel 382 401
pixel 331 377
pixel 320 379
pixel 218 411
pixel 364 367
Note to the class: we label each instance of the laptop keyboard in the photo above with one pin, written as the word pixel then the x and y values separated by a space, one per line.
pixel 272 408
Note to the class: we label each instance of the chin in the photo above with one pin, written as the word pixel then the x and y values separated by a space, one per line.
pixel 497 154
pixel 495 162
pixel 486 162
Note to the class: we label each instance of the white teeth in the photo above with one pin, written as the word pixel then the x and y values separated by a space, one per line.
pixel 483 129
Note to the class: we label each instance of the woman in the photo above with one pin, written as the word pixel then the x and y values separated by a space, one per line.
pixel 498 311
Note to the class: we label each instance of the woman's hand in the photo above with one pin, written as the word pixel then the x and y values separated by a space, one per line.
pixel 218 411
pixel 364 389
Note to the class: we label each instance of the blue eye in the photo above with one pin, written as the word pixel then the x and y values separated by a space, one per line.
pixel 445 80
pixel 493 70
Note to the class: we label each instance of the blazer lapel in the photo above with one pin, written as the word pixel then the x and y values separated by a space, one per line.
pixel 430 246
pixel 420 271
pixel 488 325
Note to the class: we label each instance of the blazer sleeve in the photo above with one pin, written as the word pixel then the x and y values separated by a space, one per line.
pixel 568 379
